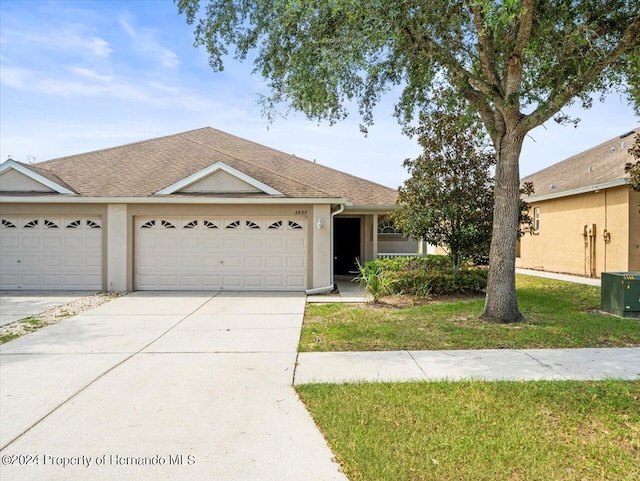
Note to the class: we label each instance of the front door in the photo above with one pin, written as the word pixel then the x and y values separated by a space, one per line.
pixel 346 242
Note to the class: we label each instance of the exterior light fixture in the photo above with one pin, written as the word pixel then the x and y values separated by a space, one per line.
pixel 319 224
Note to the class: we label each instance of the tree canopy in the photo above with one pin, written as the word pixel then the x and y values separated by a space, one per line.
pixel 517 63
pixel 633 168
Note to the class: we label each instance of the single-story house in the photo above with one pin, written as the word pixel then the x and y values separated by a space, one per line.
pixel 199 210
pixel 586 216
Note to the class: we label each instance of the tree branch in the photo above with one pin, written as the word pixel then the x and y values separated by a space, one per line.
pixel 513 82
pixel 629 42
pixel 486 49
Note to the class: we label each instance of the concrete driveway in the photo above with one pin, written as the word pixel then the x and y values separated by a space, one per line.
pixel 162 386
pixel 16 305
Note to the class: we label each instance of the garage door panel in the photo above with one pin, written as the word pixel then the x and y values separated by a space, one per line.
pixel 56 243
pixel 7 242
pixel 274 261
pixel 253 282
pixel 168 242
pixel 241 253
pixel 295 243
pixel 31 242
pixel 169 261
pixel 295 282
pixel 294 262
pixel 51 261
pixel 253 243
pixel 30 261
pixel 232 261
pixel 253 262
pixel 211 261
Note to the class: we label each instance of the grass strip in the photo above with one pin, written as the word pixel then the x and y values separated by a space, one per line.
pixel 479 431
pixel 558 315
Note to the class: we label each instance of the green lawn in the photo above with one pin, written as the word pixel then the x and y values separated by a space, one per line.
pixel 481 431
pixel 559 315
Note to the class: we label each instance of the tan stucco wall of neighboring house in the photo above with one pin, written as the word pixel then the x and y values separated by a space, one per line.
pixel 634 231
pixel 559 244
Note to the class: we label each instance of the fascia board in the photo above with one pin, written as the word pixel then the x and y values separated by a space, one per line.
pixel 166 200
pixel 579 190
pixel 201 174
pixel 13 165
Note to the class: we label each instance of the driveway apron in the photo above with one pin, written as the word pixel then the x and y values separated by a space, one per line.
pixel 162 386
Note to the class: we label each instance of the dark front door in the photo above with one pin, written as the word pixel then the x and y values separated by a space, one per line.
pixel 346 245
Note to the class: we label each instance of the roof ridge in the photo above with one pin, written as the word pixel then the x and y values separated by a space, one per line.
pixel 291 155
pixel 253 163
pixel 107 149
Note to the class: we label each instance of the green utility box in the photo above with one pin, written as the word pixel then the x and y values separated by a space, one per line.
pixel 620 293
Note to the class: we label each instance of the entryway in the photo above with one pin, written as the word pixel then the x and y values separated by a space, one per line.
pixel 347 245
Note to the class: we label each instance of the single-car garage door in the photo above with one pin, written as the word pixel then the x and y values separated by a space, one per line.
pixel 234 253
pixel 52 252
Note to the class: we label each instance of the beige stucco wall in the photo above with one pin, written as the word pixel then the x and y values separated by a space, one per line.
pixel 559 244
pixel 220 181
pixel 13 181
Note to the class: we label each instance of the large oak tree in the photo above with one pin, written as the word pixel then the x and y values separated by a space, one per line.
pixel 517 62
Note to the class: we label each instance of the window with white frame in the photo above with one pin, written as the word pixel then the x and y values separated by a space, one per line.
pixel 536 219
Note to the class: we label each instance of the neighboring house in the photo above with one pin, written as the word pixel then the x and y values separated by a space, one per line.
pixel 200 210
pixel 586 217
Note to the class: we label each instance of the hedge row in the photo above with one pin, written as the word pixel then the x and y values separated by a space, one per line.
pixel 432 274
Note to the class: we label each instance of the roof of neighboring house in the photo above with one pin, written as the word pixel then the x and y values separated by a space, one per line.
pixel 599 167
pixel 143 168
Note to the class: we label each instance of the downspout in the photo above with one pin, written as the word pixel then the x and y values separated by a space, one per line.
pixel 332 286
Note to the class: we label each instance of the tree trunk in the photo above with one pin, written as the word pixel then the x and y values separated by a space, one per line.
pixel 501 304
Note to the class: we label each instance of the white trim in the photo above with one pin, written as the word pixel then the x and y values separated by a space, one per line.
pixel 11 164
pixel 45 199
pixel 363 209
pixel 173 188
pixel 579 190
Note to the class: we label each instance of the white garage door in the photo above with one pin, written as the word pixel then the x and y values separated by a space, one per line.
pixel 220 253
pixel 52 252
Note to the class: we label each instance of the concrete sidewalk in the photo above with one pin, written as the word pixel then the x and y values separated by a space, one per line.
pixel 560 277
pixel 180 386
pixel 487 365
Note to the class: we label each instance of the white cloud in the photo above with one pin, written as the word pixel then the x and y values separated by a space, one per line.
pixel 144 41
pixel 71 38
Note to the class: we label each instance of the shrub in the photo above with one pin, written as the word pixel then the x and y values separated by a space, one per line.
pixel 419 276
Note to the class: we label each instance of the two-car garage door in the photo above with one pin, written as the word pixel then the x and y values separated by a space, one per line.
pixel 234 253
pixel 170 253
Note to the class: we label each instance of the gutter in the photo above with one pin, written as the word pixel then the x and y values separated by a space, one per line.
pixel 580 190
pixel 165 200
pixel 329 288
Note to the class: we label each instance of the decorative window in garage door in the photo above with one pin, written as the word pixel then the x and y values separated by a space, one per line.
pixel 294 225
pixel 74 224
pixel 191 225
pixel 148 225
pixel 8 224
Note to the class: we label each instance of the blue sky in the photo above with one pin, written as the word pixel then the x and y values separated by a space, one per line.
pixel 77 76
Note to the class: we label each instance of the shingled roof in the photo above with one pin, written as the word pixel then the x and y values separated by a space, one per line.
pixel 143 168
pixel 599 167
